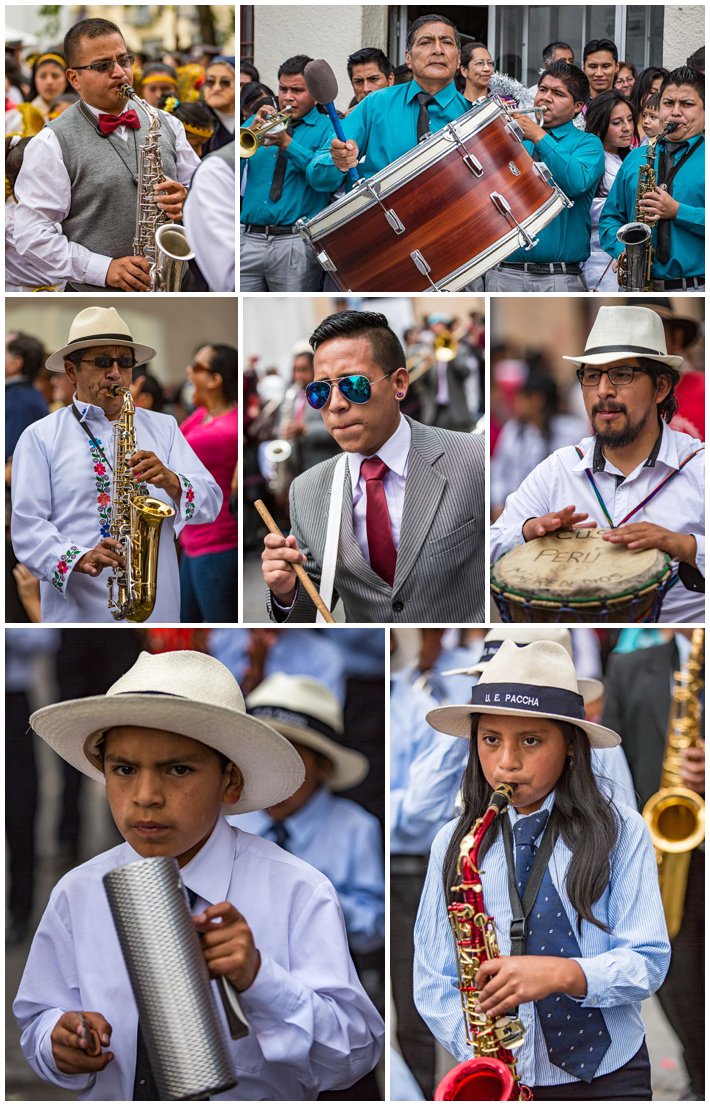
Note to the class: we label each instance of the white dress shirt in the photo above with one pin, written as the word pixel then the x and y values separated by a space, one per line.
pixel 312 1027
pixel 61 507
pixel 521 446
pixel 210 221
pixel 561 480
pixel 23 272
pixel 394 453
pixel 43 191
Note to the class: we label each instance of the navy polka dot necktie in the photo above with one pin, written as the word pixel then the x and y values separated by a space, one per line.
pixel 576 1037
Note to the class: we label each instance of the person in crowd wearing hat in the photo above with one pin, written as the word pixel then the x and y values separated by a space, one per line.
pixel 158 80
pixel 675 208
pixel 593 942
pixel 63 478
pixel 177 751
pixel 635 475
pixel 681 334
pixel 405 545
pixel 48 82
pixel 77 188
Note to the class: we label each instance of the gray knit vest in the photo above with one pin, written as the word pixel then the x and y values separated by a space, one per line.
pixel 103 172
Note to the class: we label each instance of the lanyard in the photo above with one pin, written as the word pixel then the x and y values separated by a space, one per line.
pixel 90 436
pixel 649 497
pixel 521 910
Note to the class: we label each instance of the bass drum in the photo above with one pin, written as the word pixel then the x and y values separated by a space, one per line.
pixel 444 213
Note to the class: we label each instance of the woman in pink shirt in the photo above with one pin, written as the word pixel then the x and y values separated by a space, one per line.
pixel 209 562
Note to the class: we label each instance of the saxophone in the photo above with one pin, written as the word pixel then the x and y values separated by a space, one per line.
pixel 675 815
pixel 135 523
pixel 157 238
pixel 634 271
pixel 491 1076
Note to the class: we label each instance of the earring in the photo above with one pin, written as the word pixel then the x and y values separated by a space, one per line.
pixel 400 395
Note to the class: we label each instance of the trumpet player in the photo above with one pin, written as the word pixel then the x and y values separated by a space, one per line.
pixel 77 188
pixel 63 478
pixel 275 193
pixel 674 207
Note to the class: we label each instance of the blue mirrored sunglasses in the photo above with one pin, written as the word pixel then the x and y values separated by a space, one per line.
pixel 356 389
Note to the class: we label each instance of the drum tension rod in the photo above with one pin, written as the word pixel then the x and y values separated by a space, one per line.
pixel 424 268
pixel 390 214
pixel 542 170
pixel 503 206
pixel 470 160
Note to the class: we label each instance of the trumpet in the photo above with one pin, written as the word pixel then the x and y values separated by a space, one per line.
pixel 251 138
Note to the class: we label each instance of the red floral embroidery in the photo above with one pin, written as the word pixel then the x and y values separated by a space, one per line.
pixel 190 495
pixel 103 499
pixel 100 469
pixel 62 566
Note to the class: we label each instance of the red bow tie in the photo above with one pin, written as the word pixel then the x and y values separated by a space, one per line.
pixel 108 123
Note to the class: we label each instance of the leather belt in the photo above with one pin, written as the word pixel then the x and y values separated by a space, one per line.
pixel 271 231
pixel 552 267
pixel 684 282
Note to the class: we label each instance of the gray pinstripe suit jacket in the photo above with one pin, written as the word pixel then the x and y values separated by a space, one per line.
pixel 440 574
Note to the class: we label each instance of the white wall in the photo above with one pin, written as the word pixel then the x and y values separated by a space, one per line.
pixel 683 33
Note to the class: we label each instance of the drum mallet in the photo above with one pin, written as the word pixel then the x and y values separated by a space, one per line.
pixel 323 87
pixel 300 571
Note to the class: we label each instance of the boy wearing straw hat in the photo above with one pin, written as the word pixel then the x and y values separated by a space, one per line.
pixel 63 479
pixel 636 476
pixel 176 750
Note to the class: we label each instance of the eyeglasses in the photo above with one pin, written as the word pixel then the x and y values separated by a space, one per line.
pixel 621 374
pixel 482 64
pixel 356 389
pixel 196 367
pixel 223 82
pixel 107 65
pixel 105 361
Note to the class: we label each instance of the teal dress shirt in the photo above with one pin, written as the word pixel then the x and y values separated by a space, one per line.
pixel 687 252
pixel 299 199
pixel 384 126
pixel 576 161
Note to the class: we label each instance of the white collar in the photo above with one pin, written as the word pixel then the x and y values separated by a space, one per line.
pixel 673 450
pixel 394 453
pixel 97 111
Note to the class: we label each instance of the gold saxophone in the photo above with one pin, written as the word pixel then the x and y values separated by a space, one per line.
pixel 135 523
pixel 675 815
pixel 491 1076
pixel 634 271
pixel 161 241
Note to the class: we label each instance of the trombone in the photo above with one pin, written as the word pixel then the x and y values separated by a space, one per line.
pixel 251 138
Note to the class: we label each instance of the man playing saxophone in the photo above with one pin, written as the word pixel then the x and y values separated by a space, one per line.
pixel 64 484
pixel 675 208
pixel 76 191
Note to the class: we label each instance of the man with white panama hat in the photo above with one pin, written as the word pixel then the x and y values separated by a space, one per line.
pixel 281 938
pixel 635 475
pixel 62 478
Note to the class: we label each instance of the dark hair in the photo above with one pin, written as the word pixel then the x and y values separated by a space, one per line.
pixel 155 67
pixel 293 66
pixel 573 78
pixel 582 815
pixel 600 111
pixel 685 75
pixel 402 74
pixel 253 96
pixel 247 67
pixel 69 97
pixel 191 113
pixel 86 28
pixel 548 54
pixel 466 54
pixel 386 347
pixel 305 353
pixel 697 60
pixel 36 68
pixel 31 351
pixel 595 45
pixel 653 103
pixel 370 54
pixel 12 70
pixel 151 386
pixel 423 20
pixel 642 85
pixel 225 362
pixel 626 64
pixel 14 158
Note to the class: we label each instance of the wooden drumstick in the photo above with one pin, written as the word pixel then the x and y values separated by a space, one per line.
pixel 300 571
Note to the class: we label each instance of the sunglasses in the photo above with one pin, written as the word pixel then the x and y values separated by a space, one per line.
pixel 623 374
pixel 107 64
pixel 103 361
pixel 223 82
pixel 356 389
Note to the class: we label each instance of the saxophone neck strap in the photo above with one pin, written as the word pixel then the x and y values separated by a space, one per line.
pixel 77 415
pixel 521 910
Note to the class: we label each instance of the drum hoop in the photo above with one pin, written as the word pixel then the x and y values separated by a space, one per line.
pixel 618 598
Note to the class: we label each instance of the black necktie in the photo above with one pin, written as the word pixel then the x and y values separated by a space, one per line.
pixel 666 173
pixel 277 182
pixel 424 98
pixel 278 832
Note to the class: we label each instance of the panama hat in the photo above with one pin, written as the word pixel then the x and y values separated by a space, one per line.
pixel 626 332
pixel 305 711
pixel 98 326
pixel 524 634
pixel 537 681
pixel 186 693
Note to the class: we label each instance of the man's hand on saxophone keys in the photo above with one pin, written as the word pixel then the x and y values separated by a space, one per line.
pixel 146 468
pixel 659 204
pixel 170 196
pixel 129 274
pixel 107 554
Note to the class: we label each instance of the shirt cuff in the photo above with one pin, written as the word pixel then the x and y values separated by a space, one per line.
pixel 597 981
pixel 278 607
pixel 63 568
pixel 44 1057
pixel 96 269
pixel 273 989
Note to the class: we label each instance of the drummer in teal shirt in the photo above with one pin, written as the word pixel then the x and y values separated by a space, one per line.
pixel 576 161
pixel 391 121
pixel 679 202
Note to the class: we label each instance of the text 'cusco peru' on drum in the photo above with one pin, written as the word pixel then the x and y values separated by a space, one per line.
pixel 461 201
pixel 576 576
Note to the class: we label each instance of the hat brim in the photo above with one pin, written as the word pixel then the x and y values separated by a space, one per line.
pixel 271 767
pixel 349 766
pixel 456 721
pixel 589 688
pixel 669 360
pixel 56 362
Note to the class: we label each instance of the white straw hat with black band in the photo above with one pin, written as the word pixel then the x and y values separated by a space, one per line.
pixel 98 326
pixel 187 693
pixel 620 332
pixel 536 681
pixel 305 711
pixel 524 633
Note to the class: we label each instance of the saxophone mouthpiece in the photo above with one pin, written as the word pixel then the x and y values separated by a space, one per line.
pixel 670 127
pixel 127 91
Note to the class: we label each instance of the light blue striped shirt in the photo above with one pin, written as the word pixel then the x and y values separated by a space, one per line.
pixel 622 967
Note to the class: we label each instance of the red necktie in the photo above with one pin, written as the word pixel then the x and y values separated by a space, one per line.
pixel 108 123
pixel 383 555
